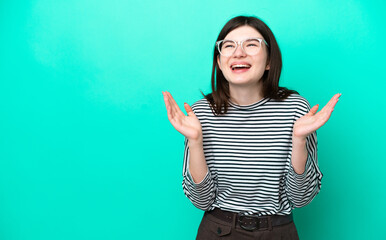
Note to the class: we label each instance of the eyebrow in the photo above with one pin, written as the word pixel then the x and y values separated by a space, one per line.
pixel 244 39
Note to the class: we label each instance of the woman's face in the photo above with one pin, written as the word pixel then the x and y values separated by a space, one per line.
pixel 247 77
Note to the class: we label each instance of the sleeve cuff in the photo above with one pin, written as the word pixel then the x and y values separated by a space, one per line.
pixel 300 178
pixel 202 183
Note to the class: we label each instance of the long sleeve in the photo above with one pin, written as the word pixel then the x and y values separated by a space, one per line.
pixel 302 188
pixel 201 194
pixel 248 152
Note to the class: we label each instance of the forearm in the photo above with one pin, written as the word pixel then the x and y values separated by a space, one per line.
pixel 197 163
pixel 304 177
pixel 299 154
pixel 199 186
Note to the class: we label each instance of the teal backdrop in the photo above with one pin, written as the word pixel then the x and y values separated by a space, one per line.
pixel 87 151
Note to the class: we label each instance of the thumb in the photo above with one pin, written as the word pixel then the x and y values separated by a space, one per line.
pixel 313 110
pixel 189 110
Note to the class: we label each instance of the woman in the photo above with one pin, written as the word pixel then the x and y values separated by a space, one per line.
pixel 250 146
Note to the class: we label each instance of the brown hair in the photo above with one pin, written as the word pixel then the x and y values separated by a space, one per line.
pixel 219 97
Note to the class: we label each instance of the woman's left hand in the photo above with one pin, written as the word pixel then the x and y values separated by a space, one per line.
pixel 312 121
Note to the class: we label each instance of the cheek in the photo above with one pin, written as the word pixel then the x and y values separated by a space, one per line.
pixel 224 67
pixel 261 62
pixel 220 62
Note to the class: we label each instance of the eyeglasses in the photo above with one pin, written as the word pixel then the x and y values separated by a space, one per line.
pixel 250 46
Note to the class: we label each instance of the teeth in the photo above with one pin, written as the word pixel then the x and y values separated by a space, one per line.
pixel 239 66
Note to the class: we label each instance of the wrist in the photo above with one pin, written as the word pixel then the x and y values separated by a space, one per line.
pixel 195 143
pixel 299 140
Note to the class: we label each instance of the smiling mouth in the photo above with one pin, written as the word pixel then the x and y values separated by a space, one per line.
pixel 240 66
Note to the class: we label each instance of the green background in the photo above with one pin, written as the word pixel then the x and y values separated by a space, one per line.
pixel 86 149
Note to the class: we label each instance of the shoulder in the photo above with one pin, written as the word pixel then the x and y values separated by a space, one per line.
pixel 201 106
pixel 299 103
pixel 202 103
pixel 296 101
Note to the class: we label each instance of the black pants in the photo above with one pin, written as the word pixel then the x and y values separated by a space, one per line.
pixel 213 228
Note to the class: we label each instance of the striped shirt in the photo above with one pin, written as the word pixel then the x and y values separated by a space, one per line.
pixel 248 153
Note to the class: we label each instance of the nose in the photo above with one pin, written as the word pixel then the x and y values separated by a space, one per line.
pixel 239 52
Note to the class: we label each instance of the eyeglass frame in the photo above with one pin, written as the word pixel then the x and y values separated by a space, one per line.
pixel 240 43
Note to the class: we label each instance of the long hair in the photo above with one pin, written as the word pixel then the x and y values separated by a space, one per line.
pixel 219 97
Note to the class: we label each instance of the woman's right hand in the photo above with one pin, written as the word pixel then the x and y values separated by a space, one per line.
pixel 189 126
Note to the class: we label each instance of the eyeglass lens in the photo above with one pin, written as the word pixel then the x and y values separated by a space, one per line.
pixel 250 47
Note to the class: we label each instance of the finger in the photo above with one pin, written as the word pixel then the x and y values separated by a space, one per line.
pixel 173 110
pixel 313 110
pixel 324 115
pixel 170 104
pixel 333 103
pixel 172 101
pixel 326 112
pixel 168 107
pixel 176 108
pixel 169 111
pixel 166 100
pixel 172 116
pixel 329 103
pixel 329 107
pixel 189 110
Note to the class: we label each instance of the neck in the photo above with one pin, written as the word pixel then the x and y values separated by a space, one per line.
pixel 245 95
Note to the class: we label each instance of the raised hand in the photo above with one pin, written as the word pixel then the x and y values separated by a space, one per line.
pixel 312 121
pixel 189 126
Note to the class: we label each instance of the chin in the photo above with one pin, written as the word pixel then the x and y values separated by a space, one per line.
pixel 242 83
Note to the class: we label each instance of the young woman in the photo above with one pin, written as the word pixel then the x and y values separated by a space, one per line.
pixel 250 146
